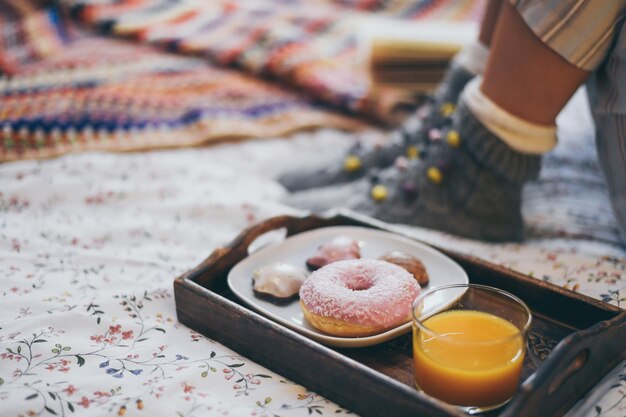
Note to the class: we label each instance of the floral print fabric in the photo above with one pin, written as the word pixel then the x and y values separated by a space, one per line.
pixel 90 244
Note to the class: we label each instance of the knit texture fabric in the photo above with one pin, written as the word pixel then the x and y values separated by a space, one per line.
pixel 65 89
pixel 410 140
pixel 469 183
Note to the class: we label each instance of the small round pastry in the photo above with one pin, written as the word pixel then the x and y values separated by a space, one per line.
pixel 338 249
pixel 278 282
pixel 410 263
pixel 357 298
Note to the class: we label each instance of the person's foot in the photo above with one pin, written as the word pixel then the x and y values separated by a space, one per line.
pixel 410 140
pixel 469 183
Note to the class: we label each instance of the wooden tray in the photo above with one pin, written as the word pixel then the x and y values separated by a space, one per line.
pixel 573 342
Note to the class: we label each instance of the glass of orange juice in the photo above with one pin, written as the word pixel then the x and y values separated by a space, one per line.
pixel 468 345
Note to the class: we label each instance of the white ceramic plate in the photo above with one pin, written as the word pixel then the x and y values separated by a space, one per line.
pixel 373 243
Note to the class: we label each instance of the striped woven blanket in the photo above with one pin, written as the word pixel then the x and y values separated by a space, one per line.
pixel 65 87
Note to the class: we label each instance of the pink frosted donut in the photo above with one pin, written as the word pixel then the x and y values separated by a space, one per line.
pixel 358 297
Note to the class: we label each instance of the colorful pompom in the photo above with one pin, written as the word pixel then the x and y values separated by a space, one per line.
pixel 379 192
pixel 409 188
pixel 352 163
pixel 434 174
pixel 453 138
pixel 447 109
pixel 434 134
pixel 412 152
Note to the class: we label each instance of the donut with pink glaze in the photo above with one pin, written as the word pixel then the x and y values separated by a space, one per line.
pixel 360 297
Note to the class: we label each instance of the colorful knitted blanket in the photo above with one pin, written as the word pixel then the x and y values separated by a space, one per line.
pixel 172 81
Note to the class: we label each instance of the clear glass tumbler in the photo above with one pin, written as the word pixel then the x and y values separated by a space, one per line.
pixel 468 345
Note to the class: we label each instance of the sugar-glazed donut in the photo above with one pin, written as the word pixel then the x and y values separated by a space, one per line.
pixel 360 297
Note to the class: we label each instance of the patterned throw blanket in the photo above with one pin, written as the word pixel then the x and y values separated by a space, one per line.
pixel 63 89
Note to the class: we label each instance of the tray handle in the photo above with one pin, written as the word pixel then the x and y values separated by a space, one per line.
pixel 222 258
pixel 577 364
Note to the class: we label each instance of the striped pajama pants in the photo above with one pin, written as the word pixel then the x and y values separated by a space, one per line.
pixel 591 34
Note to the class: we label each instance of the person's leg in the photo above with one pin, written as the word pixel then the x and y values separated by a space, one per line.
pixel 607 96
pixel 470 61
pixel 412 136
pixel 592 36
pixel 488 24
pixel 525 85
pixel 611 145
pixel 519 58
pixel 470 182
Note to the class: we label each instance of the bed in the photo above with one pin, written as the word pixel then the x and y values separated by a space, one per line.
pixel 91 240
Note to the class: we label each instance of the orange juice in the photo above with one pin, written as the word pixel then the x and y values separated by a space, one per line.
pixel 471 358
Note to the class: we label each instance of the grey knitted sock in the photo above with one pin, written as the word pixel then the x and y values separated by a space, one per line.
pixel 469 183
pixel 410 139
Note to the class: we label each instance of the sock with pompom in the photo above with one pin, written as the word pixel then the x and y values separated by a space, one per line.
pixel 409 140
pixel 468 183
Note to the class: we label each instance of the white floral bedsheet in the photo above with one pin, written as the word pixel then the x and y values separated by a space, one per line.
pixel 90 244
